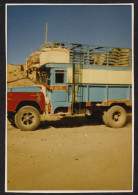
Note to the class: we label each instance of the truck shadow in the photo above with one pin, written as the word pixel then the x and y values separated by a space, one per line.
pixel 76 121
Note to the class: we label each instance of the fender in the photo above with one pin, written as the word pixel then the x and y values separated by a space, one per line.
pixel 17 95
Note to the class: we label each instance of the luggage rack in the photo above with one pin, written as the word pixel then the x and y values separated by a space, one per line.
pixel 93 54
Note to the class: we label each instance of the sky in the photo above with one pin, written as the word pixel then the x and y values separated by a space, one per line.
pixel 102 25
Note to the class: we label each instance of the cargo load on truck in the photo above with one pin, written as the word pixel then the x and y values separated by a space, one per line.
pixel 87 54
pixel 47 55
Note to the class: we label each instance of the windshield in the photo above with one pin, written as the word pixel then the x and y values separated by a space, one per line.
pixel 43 76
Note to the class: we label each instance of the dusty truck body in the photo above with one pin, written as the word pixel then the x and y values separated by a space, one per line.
pixel 74 79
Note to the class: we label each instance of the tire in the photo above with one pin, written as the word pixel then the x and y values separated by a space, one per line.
pixel 11 118
pixel 104 117
pixel 116 117
pixel 27 118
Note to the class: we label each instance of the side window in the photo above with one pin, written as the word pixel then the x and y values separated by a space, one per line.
pixel 59 76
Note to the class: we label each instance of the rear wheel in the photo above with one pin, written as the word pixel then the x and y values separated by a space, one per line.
pixel 116 117
pixel 27 118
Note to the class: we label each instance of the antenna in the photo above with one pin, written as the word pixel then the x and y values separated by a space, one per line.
pixel 46 32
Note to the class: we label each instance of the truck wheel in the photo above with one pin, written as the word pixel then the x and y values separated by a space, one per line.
pixel 116 117
pixel 104 117
pixel 27 118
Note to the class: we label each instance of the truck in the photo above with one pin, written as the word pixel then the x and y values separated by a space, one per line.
pixel 74 79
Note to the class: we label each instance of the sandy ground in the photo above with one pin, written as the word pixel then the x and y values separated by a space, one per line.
pixel 70 153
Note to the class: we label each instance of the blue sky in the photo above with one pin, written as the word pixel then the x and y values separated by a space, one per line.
pixel 103 25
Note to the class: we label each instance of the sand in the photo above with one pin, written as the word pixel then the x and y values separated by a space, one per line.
pixel 15 72
pixel 68 154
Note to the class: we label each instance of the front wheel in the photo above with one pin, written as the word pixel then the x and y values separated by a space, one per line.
pixel 27 118
pixel 116 117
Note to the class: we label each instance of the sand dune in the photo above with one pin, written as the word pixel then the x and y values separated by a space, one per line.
pixel 15 72
pixel 16 76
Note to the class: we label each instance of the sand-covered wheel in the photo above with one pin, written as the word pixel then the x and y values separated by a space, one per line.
pixel 116 117
pixel 27 118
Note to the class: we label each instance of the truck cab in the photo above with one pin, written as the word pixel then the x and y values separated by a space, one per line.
pixel 57 91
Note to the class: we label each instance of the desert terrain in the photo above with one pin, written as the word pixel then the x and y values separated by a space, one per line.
pixel 69 154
